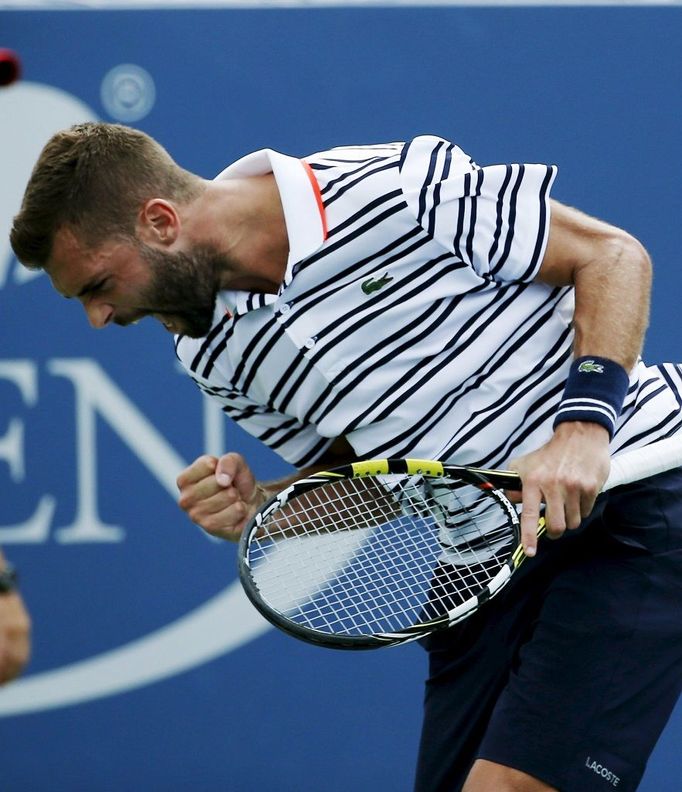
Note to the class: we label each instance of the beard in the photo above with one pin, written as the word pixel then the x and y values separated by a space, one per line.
pixel 184 287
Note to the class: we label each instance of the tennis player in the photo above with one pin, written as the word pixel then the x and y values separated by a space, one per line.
pixel 401 300
pixel 15 625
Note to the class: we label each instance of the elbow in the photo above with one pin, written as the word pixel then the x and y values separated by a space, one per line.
pixel 624 263
pixel 639 275
pixel 631 258
pixel 635 251
pixel 632 267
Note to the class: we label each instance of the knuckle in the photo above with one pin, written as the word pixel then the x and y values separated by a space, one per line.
pixel 220 529
pixel 239 510
pixel 200 468
pixel 532 480
pixel 196 515
pixel 231 459
pixel 185 502
pixel 212 530
pixel 570 483
pixel 555 533
pixel 583 488
pixel 591 491
pixel 204 465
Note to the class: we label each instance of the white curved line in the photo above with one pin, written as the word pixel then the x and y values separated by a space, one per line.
pixel 220 625
pixel 34 111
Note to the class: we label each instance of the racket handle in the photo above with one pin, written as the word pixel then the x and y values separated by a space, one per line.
pixel 644 462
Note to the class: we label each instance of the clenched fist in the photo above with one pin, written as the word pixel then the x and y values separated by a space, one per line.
pixel 220 494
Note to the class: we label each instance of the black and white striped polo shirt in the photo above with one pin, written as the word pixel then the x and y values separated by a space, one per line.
pixel 408 320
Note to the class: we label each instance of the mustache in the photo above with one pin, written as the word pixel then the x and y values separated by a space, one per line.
pixel 183 289
pixel 193 323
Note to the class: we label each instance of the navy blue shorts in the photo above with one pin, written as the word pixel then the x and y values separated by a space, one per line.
pixel 572 672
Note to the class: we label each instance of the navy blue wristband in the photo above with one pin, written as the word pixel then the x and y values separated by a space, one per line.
pixel 595 391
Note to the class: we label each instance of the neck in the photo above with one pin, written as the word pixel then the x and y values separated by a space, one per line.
pixel 244 220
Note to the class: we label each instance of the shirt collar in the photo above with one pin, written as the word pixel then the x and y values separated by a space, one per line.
pixel 304 213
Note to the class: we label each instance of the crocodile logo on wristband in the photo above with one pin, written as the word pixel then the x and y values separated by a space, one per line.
pixel 590 367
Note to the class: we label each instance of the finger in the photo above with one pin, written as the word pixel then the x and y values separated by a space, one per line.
pixel 555 517
pixel 227 523
pixel 573 513
pixel 229 468
pixel 224 526
pixel 193 496
pixel 199 469
pixel 216 502
pixel 530 518
pixel 233 469
pixel 587 501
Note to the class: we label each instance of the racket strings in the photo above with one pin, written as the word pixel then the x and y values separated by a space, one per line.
pixel 374 586
pixel 348 504
pixel 378 555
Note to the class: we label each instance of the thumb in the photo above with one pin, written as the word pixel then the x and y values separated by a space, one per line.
pixel 232 470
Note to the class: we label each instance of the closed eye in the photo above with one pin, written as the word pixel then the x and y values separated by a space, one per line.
pixel 92 287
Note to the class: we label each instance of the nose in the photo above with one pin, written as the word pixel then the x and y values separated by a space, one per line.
pixel 99 314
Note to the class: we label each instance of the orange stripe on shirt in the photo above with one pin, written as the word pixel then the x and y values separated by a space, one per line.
pixel 318 198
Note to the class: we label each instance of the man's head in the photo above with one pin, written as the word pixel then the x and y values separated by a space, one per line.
pixel 93 179
pixel 100 215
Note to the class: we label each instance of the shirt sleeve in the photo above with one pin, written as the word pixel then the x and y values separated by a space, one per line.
pixel 297 443
pixel 494 218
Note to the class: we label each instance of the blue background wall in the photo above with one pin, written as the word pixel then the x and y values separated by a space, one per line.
pixel 594 90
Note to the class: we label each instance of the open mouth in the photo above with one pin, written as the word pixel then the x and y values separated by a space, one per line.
pixel 126 321
pixel 168 323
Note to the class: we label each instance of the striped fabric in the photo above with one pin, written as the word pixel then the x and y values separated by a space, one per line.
pixel 408 320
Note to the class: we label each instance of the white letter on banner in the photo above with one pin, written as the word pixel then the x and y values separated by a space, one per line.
pixel 97 394
pixel 36 529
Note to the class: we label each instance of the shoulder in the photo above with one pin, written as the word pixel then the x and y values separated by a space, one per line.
pixel 354 155
pixel 425 151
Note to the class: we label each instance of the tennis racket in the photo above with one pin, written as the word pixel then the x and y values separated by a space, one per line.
pixel 382 552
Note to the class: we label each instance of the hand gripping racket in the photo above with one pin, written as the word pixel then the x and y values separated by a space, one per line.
pixel 382 552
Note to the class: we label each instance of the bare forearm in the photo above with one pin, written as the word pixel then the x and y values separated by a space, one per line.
pixel 611 274
pixel 612 302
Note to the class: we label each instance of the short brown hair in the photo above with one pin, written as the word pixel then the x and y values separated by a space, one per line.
pixel 94 178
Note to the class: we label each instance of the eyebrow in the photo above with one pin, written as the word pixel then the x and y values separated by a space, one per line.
pixel 89 286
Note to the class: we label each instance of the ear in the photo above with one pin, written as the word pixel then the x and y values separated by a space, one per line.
pixel 158 222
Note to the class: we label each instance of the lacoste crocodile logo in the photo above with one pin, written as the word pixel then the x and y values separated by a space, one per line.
pixel 372 285
pixel 590 367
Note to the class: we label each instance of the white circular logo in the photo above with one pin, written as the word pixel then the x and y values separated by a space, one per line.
pixel 128 92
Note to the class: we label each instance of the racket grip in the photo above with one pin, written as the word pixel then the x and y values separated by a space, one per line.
pixel 644 462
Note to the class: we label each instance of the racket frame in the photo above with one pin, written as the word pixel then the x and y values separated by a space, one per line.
pixel 492 482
